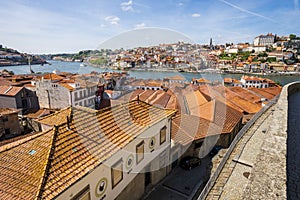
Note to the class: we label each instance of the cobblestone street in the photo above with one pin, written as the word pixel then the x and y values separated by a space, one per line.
pixel 293 148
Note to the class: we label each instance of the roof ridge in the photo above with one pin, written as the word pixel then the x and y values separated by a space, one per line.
pixel 11 145
pixel 45 175
pixel 182 129
pixel 55 113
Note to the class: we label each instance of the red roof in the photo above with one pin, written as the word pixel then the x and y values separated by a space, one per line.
pixel 10 90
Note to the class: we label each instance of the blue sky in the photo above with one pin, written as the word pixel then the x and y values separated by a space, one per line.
pixel 52 26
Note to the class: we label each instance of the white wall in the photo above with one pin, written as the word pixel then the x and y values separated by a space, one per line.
pixel 104 170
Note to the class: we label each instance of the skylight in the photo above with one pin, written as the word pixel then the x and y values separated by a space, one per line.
pixel 31 152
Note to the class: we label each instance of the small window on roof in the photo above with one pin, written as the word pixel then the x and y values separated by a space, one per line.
pixel 31 152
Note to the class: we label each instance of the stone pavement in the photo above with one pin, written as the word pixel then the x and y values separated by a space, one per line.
pixel 180 184
pixel 256 169
pixel 293 150
pixel 265 163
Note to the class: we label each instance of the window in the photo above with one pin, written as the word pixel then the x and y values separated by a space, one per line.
pixel 139 152
pixel 101 187
pixel 116 173
pixel 152 143
pixel 163 135
pixel 83 194
pixel 24 103
pixel 7 131
pixel 5 118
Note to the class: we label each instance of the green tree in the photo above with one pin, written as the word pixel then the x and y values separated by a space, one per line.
pixel 292 36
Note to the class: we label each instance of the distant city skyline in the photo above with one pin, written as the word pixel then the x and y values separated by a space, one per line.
pixel 46 26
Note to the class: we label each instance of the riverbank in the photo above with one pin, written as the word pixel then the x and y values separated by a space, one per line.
pixel 74 67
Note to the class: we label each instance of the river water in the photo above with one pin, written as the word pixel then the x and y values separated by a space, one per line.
pixel 74 67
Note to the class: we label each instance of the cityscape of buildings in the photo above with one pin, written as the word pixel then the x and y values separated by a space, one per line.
pixel 111 136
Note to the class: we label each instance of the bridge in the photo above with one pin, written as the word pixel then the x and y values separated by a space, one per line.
pixel 263 161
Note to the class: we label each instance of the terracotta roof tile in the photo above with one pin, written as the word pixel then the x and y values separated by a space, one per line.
pixel 172 102
pixel 273 90
pixel 162 100
pixel 262 92
pixel 221 114
pixel 38 114
pixel 208 92
pixel 9 90
pixel 64 155
pixel 146 94
pixel 245 105
pixel 5 111
pixel 52 76
pixel 23 166
pixel 186 128
pixel 56 118
pixel 246 94
pixel 195 99
pixel 66 85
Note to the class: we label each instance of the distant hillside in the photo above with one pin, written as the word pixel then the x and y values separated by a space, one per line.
pixel 9 57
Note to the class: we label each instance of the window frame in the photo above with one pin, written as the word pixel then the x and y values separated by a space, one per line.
pixel 114 168
pixel 163 138
pixel 82 193
pixel 140 157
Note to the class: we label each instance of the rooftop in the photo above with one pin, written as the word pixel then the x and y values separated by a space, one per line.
pixel 44 165
pixel 9 90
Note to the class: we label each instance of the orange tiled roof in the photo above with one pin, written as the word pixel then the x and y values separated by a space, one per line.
pixel 40 113
pixel 66 85
pixel 146 94
pixel 208 92
pixel 52 76
pixel 133 95
pixel 228 80
pixel 245 105
pixel 5 111
pixel 172 103
pixel 46 164
pixel 56 118
pixel 195 99
pixel 273 90
pixel 262 92
pixel 162 100
pixel 228 103
pixel 246 94
pixel 221 114
pixel 9 90
pixel 153 97
pixel 186 128
pixel 203 80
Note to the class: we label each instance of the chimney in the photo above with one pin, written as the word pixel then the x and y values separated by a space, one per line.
pixel 138 98
pixel 68 123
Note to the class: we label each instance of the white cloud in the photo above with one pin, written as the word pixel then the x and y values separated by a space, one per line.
pixel 179 4
pixel 196 15
pixel 114 20
pixel 141 25
pixel 127 6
